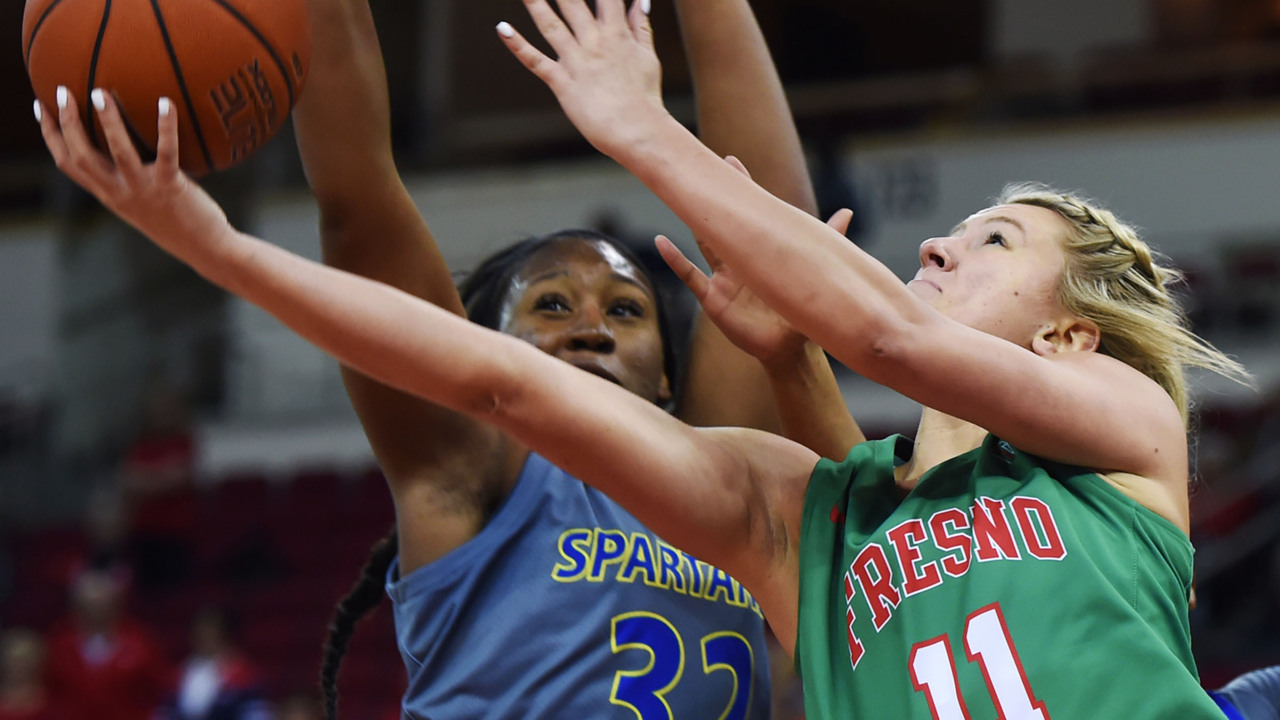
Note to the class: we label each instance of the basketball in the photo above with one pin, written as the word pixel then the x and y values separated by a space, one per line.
pixel 232 68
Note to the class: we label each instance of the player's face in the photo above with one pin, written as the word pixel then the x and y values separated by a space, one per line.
pixel 998 271
pixel 583 302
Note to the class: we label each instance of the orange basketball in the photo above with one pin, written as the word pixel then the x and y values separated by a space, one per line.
pixel 233 68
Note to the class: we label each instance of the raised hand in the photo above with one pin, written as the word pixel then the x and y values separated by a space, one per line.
pixel 743 317
pixel 156 198
pixel 606 74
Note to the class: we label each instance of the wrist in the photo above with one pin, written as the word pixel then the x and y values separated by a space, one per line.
pixel 646 136
pixel 791 361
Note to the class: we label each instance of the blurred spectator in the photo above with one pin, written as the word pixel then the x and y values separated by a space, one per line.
pixel 156 478
pixel 163 451
pixel 106 533
pixel 301 706
pixel 104 663
pixel 23 695
pixel 217 682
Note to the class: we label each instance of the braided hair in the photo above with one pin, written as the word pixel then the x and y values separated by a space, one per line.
pixel 359 600
pixel 484 294
pixel 1114 279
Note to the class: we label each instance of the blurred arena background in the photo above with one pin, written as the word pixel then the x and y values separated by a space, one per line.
pixel 152 425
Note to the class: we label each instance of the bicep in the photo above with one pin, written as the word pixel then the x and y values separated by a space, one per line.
pixel 707 490
pixel 1082 408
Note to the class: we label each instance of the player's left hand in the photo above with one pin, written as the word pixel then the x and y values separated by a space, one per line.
pixel 606 74
pixel 156 198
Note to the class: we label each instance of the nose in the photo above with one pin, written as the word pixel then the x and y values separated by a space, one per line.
pixel 590 332
pixel 934 253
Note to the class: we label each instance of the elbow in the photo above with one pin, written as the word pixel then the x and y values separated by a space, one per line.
pixel 883 341
pixel 491 395
pixel 336 220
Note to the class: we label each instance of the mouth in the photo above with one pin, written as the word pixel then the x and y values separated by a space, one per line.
pixel 930 283
pixel 596 369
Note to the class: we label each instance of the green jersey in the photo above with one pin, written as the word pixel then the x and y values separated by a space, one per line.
pixel 1002 587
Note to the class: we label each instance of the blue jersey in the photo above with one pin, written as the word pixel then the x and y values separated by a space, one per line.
pixel 1254 695
pixel 565 606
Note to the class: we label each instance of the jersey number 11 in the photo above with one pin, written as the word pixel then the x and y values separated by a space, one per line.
pixel 986 641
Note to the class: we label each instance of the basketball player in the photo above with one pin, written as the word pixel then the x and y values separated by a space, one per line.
pixel 1041 511
pixel 1045 495
pixel 481 522
pixel 1254 695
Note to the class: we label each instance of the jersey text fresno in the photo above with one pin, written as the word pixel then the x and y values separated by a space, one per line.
pixel 992 530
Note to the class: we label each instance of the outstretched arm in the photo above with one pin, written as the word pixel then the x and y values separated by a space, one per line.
pixel 1081 408
pixel 370 226
pixel 727 496
pixel 741 111
pixel 742 108
pixel 810 405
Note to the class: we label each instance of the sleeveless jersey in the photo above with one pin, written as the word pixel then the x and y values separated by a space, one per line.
pixel 1002 586
pixel 565 606
pixel 1254 695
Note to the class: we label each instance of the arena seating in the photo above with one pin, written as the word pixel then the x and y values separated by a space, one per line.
pixel 279 554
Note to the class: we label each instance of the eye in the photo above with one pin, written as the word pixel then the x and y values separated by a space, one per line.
pixel 626 308
pixel 996 238
pixel 551 303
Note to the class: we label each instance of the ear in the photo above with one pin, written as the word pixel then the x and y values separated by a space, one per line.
pixel 1068 335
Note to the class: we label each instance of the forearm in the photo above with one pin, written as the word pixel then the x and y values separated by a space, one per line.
pixel 371 327
pixel 742 108
pixel 369 223
pixel 742 111
pixel 724 385
pixel 343 120
pixel 811 406
pixel 590 427
pixel 795 263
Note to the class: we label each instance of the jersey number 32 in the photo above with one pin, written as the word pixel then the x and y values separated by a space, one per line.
pixel 644 690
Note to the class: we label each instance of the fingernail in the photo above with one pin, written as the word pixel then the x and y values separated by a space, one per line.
pixel 39 112
pixel 99 99
pixel 164 106
pixel 505 29
pixel 644 6
pixel 62 97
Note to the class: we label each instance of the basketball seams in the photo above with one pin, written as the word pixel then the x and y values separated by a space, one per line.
pixel 194 119
pixel 275 57
pixel 93 74
pixel 31 41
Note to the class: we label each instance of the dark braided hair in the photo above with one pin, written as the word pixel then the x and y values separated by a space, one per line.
pixel 363 597
pixel 484 294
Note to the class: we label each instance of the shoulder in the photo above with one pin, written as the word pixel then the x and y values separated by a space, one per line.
pixel 779 464
pixel 1128 386
pixel 1125 420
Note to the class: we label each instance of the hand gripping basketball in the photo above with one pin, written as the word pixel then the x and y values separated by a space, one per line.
pixel 157 198
pixel 234 68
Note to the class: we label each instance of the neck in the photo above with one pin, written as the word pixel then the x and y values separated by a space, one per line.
pixel 939 437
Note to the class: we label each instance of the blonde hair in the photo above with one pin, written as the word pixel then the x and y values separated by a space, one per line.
pixel 1114 279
